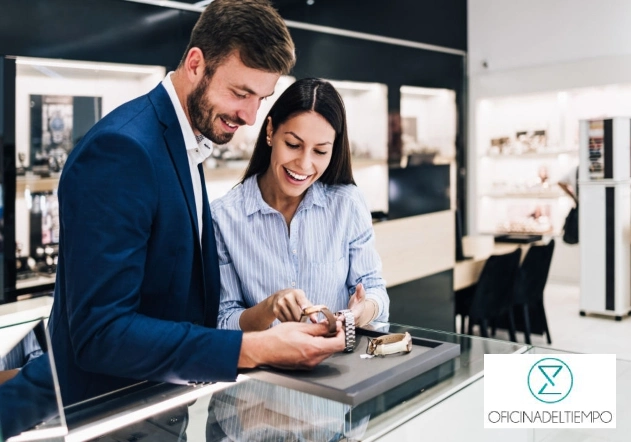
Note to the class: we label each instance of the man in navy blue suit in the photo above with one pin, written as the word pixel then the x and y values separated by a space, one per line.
pixel 137 286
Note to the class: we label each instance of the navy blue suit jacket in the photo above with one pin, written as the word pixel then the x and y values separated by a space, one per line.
pixel 136 297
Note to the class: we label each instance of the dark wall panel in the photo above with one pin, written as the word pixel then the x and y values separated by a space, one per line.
pixel 7 149
pixel 346 58
pixel 437 22
pixel 95 30
pixel 427 302
pixel 120 31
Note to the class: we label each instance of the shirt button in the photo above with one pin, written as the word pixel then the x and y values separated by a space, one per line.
pixel 293 251
pixel 293 283
pixel 196 150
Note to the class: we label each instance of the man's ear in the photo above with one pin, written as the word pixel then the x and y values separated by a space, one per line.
pixel 195 65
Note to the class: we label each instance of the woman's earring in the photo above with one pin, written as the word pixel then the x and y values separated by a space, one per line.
pixel 269 140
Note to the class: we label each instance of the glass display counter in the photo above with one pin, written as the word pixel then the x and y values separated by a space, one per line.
pixel 444 403
pixel 254 410
pixel 29 393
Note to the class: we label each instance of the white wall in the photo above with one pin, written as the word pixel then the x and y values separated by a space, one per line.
pixel 524 33
pixel 534 46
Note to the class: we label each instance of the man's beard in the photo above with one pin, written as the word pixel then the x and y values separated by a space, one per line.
pixel 201 113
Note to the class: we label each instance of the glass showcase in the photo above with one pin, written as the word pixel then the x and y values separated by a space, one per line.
pixel 56 103
pixel 251 409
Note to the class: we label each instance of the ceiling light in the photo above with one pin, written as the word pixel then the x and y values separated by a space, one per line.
pixel 95 66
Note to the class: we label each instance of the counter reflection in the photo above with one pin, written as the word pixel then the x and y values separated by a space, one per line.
pixel 30 404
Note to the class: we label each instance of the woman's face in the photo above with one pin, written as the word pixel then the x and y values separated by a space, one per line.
pixel 301 152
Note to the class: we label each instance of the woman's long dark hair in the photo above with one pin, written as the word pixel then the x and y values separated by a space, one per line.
pixel 316 95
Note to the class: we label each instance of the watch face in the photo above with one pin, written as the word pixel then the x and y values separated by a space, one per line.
pixel 57 123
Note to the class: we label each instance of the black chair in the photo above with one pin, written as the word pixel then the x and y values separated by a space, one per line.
pixel 492 297
pixel 529 285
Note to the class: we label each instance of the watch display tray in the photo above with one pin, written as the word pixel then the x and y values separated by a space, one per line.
pixel 347 378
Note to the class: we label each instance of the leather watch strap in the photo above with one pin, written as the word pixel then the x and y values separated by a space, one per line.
pixel 390 344
pixel 308 311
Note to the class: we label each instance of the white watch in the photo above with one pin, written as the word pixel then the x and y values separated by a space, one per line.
pixel 390 344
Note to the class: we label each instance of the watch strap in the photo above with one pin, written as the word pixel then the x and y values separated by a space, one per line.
pixel 390 344
pixel 308 311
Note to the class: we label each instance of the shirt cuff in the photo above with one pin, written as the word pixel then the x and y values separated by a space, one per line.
pixel 232 321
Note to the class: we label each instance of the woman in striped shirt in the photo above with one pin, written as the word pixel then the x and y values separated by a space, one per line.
pixel 296 231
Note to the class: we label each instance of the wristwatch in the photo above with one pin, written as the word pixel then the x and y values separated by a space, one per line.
pixel 348 320
pixel 56 126
pixel 390 344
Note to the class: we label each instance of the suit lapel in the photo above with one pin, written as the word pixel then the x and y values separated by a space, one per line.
pixel 208 250
pixel 177 149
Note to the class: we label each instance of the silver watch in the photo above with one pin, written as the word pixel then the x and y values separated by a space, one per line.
pixel 348 319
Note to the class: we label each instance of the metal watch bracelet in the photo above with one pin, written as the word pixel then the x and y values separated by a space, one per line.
pixel 348 319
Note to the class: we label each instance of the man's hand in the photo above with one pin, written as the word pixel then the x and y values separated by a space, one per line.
pixel 290 345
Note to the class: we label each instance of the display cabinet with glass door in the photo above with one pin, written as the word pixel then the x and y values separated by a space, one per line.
pixel 52 104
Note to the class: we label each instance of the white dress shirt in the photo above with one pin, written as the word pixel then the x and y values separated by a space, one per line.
pixel 197 151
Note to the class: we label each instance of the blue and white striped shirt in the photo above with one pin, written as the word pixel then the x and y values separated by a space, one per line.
pixel 328 250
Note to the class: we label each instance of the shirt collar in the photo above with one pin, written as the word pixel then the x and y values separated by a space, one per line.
pixel 254 201
pixel 202 148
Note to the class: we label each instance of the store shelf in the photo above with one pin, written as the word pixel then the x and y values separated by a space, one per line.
pixel 526 195
pixel 538 137
pixel 36 183
pixel 533 155
pixel 35 281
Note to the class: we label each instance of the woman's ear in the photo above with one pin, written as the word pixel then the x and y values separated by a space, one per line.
pixel 269 128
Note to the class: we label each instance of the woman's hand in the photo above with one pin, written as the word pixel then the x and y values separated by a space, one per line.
pixel 287 305
pixel 357 303
pixel 364 310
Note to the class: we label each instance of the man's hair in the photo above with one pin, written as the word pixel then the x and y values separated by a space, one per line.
pixel 308 95
pixel 253 28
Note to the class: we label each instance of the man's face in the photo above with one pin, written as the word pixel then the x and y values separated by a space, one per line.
pixel 230 98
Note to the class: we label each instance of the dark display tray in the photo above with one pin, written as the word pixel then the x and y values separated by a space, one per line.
pixel 347 378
